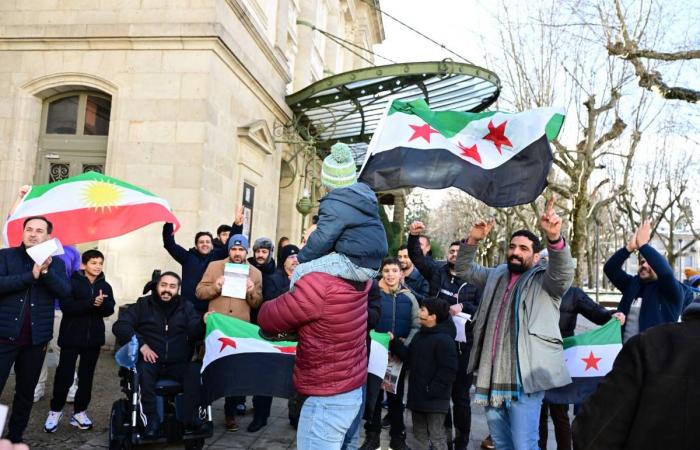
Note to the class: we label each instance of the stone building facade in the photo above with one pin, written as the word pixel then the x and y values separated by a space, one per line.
pixel 181 97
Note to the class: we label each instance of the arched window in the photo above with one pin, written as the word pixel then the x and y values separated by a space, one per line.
pixel 73 138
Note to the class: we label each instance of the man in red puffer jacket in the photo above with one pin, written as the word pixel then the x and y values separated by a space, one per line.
pixel 330 316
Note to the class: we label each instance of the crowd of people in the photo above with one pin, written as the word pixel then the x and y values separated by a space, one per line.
pixel 337 285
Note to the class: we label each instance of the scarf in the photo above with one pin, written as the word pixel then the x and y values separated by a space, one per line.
pixel 497 379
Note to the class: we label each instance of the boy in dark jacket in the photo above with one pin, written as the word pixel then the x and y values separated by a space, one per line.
pixel 349 240
pixel 82 333
pixel 432 362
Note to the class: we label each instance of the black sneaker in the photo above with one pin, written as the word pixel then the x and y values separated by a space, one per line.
pixel 386 423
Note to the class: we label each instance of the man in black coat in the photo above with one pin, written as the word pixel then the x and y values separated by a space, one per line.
pixel 462 297
pixel 166 326
pixel 27 293
pixel 650 398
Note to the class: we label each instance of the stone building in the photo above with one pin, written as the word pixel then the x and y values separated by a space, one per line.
pixel 181 97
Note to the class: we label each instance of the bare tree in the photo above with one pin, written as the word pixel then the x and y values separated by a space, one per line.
pixel 625 43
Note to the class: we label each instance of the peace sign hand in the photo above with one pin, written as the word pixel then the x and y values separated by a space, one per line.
pixel 550 222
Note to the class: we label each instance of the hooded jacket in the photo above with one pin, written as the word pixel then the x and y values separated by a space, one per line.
pixel 432 361
pixel 83 324
pixel 649 399
pixel 348 223
pixel 170 333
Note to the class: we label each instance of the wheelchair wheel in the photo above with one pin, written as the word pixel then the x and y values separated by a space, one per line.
pixel 119 426
pixel 194 444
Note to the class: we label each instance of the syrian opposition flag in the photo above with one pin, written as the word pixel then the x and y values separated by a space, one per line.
pixel 238 361
pixel 88 207
pixel 499 158
pixel 589 357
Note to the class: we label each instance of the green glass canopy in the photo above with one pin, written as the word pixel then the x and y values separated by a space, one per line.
pixel 347 107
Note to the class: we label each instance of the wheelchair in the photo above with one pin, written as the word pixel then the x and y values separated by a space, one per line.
pixel 126 426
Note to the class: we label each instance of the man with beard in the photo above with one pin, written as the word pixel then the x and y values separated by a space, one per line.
pixel 653 296
pixel 209 289
pixel 411 276
pixel 517 353
pixel 167 326
pixel 27 293
pixel 462 296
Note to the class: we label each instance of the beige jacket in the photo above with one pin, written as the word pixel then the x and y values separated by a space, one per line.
pixel 234 307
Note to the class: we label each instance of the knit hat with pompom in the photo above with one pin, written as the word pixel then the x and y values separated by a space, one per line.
pixel 338 168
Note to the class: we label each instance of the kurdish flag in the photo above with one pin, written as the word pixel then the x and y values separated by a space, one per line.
pixel 499 158
pixel 88 207
pixel 589 357
pixel 238 361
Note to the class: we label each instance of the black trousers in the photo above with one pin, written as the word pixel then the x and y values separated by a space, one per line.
pixel 395 409
pixel 185 373
pixel 562 427
pixel 28 360
pixel 261 407
pixel 64 377
pixel 461 413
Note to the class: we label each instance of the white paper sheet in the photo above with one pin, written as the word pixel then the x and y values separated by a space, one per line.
pixel 40 252
pixel 235 280
pixel 460 321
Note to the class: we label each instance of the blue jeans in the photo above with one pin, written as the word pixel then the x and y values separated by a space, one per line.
pixel 516 427
pixel 325 420
pixel 352 437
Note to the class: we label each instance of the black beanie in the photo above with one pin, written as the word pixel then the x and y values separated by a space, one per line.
pixel 287 251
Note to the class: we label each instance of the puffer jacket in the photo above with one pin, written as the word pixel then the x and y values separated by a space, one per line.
pixel 539 342
pixel 348 223
pixel 399 314
pixel 330 316
pixel 19 291
pixel 83 323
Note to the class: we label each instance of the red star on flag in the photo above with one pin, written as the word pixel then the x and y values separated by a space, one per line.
pixel 591 362
pixel 470 152
pixel 226 342
pixel 497 135
pixel 290 350
pixel 423 131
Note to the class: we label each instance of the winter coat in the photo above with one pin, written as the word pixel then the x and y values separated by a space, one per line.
pixel 539 342
pixel 432 362
pixel 575 302
pixel 275 285
pixel 663 299
pixel 234 307
pixel 170 334
pixel 330 316
pixel 265 269
pixel 419 286
pixel 399 314
pixel 83 324
pixel 19 291
pixel 649 400
pixel 348 223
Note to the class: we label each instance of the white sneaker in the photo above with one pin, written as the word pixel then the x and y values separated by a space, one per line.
pixel 52 420
pixel 81 420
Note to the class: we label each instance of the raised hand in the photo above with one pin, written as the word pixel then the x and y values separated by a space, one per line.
pixel 643 234
pixel 550 222
pixel 240 214
pixel 479 230
pixel 100 299
pixel 416 228
pixel 632 244
pixel 22 191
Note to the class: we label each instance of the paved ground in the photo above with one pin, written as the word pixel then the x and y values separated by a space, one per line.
pixel 277 435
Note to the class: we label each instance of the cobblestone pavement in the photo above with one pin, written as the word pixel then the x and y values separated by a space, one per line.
pixel 277 435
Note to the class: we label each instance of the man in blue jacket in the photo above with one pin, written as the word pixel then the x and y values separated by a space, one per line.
pixel 27 293
pixel 653 296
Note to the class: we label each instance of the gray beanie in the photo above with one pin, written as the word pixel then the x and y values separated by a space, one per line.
pixel 264 242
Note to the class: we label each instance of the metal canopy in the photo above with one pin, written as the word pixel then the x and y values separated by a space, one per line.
pixel 347 107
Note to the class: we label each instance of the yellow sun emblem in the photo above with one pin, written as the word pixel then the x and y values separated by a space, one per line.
pixel 101 195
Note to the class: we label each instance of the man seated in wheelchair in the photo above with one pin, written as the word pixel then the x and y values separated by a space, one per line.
pixel 166 326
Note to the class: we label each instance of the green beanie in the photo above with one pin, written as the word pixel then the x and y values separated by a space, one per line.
pixel 338 168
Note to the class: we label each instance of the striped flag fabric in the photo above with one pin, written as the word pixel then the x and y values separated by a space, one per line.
pixel 238 361
pixel 88 207
pixel 589 357
pixel 499 158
